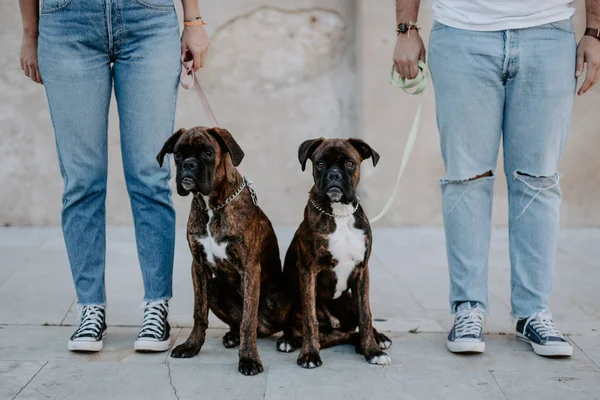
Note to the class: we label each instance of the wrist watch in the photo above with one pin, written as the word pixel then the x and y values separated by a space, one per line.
pixel 405 27
pixel 592 32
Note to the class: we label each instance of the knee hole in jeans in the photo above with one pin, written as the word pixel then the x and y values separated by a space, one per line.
pixel 537 184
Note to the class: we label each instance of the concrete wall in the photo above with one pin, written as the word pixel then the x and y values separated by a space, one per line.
pixel 280 72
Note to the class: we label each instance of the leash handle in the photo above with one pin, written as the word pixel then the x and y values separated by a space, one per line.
pixel 414 87
pixel 188 80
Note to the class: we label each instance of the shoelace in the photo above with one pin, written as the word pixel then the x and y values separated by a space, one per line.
pixel 468 322
pixel 155 314
pixel 543 323
pixel 92 318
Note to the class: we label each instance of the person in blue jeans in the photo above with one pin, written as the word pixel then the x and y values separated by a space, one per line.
pixel 85 50
pixel 503 71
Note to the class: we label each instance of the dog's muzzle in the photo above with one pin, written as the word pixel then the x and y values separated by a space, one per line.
pixel 188 183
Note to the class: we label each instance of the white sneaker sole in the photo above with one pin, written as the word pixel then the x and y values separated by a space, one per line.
pixel 85 345
pixel 463 346
pixel 547 350
pixel 152 345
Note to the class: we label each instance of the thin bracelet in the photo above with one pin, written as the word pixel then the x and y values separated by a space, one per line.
pixel 194 22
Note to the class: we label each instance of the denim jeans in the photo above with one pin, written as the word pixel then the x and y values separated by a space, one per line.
pixel 87 47
pixel 516 86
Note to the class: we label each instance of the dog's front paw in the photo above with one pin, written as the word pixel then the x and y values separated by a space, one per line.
pixel 383 341
pixel 231 339
pixel 186 350
pixel 250 367
pixel 309 360
pixel 286 344
pixel 379 358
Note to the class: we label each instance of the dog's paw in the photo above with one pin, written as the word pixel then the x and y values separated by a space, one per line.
pixel 231 340
pixel 383 341
pixel 250 367
pixel 285 345
pixel 309 360
pixel 186 350
pixel 379 358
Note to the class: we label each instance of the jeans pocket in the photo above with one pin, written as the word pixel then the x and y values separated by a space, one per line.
pixel 564 25
pixel 438 26
pixel 51 6
pixel 158 5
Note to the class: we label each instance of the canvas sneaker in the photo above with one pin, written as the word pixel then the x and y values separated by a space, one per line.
pixel 466 335
pixel 155 331
pixel 91 331
pixel 539 331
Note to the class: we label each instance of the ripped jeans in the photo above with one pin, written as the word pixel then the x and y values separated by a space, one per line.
pixel 516 86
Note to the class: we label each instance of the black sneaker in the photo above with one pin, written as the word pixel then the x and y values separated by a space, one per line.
pixel 466 335
pixel 155 332
pixel 539 331
pixel 91 331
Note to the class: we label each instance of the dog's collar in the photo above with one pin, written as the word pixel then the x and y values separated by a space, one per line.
pixel 245 184
pixel 315 205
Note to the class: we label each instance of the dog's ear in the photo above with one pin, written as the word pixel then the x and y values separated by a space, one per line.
pixel 307 149
pixel 169 146
pixel 228 144
pixel 364 150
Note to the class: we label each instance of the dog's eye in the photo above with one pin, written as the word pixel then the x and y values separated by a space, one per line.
pixel 177 157
pixel 208 154
pixel 349 164
pixel 320 165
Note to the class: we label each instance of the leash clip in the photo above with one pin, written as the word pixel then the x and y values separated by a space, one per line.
pixel 252 192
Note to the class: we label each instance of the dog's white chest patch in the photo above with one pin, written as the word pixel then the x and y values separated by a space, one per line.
pixel 212 249
pixel 346 245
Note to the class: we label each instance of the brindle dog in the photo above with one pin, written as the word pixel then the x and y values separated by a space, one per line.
pixel 326 265
pixel 236 267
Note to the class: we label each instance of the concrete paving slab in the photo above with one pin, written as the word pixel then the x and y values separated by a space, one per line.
pixel 26 343
pixel 14 375
pixel 106 380
pixel 40 291
pixel 223 382
pixel 540 384
pixel 335 382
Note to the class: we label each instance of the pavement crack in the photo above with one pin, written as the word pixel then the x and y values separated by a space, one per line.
pixel 171 380
pixel 583 351
pixel 29 381
pixel 496 382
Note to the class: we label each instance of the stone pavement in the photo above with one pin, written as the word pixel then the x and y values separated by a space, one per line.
pixel 409 299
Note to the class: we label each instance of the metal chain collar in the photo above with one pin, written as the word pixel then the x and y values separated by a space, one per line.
pixel 245 184
pixel 335 215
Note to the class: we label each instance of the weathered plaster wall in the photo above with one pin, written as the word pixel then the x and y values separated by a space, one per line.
pixel 280 72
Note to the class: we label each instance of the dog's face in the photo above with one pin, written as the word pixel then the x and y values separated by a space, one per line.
pixel 336 166
pixel 200 156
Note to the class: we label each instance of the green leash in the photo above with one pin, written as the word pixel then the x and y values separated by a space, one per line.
pixel 414 87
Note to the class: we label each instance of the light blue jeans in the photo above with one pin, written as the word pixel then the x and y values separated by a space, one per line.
pixel 87 47
pixel 516 86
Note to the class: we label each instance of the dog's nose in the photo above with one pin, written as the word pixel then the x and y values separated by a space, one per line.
pixel 189 163
pixel 334 175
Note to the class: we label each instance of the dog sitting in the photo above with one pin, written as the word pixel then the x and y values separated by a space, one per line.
pixel 326 265
pixel 236 267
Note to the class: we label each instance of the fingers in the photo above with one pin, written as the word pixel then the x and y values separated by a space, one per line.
pixel 413 69
pixel 38 76
pixel 591 78
pixel 580 59
pixel 202 58
pixel 198 60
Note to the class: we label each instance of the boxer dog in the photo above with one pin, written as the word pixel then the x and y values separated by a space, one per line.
pixel 326 265
pixel 236 267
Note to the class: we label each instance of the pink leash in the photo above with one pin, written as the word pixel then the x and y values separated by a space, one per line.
pixel 188 80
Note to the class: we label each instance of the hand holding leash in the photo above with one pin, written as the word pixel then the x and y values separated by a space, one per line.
pixel 414 87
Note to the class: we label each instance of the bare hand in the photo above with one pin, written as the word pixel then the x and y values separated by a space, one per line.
pixel 407 53
pixel 195 40
pixel 588 52
pixel 29 57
